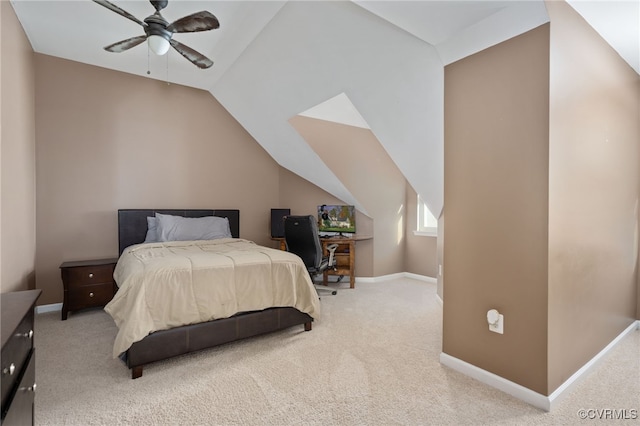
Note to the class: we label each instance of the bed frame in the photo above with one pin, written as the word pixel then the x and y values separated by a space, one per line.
pixel 159 345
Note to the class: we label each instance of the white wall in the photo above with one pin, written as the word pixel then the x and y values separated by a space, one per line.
pixel 312 51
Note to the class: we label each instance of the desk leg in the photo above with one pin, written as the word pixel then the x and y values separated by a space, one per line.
pixel 325 278
pixel 352 264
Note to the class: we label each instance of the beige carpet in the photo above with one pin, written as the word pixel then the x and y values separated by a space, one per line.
pixel 372 359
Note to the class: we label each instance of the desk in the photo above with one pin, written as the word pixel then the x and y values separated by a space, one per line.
pixel 345 256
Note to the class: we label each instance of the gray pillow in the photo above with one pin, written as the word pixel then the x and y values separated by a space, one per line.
pixel 178 228
pixel 152 230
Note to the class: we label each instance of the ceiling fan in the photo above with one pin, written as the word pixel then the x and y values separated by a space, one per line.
pixel 158 32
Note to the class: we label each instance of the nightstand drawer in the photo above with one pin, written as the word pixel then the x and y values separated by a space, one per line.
pixel 89 296
pixel 87 275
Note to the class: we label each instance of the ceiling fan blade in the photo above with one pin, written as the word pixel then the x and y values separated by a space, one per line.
pixel 127 44
pixel 200 21
pixel 119 11
pixel 196 58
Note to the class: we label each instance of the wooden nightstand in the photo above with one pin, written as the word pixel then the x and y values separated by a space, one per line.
pixel 87 284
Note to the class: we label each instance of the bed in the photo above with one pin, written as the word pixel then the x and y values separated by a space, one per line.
pixel 193 336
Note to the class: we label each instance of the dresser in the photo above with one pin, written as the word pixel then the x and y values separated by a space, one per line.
pixel 18 360
pixel 87 284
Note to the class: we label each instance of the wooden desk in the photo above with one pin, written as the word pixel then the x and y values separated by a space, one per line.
pixel 345 257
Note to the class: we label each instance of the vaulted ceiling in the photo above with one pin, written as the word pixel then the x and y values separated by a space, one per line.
pixel 276 59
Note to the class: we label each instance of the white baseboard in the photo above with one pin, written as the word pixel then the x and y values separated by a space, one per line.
pixel 557 395
pixel 389 277
pixel 48 308
pixel 536 399
pixel 493 380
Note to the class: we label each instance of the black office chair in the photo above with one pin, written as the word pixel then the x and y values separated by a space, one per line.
pixel 301 238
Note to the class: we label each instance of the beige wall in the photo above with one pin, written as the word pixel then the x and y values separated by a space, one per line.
pixel 108 140
pixel 358 159
pixel 17 154
pixel 367 171
pixel 496 186
pixel 593 194
pixel 421 252
pixel 303 197
pixel 541 201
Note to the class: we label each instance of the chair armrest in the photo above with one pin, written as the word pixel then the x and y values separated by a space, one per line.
pixel 331 248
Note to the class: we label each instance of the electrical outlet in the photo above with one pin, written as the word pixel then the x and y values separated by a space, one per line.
pixel 498 326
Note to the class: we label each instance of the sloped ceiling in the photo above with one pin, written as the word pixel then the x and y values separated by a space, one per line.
pixel 275 59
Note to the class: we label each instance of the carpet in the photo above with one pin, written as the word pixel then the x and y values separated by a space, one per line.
pixel 371 359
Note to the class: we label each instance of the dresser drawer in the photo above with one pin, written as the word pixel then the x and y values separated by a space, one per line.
pixel 17 311
pixel 87 275
pixel 14 356
pixel 21 410
pixel 89 296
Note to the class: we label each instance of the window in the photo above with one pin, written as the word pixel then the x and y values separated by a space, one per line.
pixel 427 223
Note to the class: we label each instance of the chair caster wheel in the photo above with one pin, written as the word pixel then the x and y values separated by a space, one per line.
pixel 334 293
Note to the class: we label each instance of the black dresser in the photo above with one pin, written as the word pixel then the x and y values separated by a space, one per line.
pixel 18 359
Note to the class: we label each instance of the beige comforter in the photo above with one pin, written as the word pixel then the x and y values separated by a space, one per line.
pixel 165 285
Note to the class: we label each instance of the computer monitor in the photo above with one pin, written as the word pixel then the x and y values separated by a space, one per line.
pixel 336 218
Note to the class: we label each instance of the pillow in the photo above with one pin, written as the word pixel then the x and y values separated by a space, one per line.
pixel 178 228
pixel 152 230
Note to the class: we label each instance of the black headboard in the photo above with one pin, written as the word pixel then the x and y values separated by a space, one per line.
pixel 132 223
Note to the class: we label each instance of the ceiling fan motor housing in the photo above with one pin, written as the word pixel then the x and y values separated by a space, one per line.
pixel 157 25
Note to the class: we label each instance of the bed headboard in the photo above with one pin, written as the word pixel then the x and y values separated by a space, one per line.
pixel 132 223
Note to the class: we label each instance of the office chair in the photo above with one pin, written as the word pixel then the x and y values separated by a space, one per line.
pixel 301 238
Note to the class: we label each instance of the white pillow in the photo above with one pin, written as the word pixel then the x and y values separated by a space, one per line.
pixel 152 230
pixel 178 228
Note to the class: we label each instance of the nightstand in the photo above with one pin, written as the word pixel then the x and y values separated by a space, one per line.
pixel 87 284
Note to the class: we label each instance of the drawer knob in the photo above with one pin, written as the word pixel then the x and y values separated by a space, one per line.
pixel 91 294
pixel 10 370
pixel 29 388
pixel 90 275
pixel 28 335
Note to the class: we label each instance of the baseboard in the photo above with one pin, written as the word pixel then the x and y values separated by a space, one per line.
pixel 495 381
pixel 557 395
pixel 424 278
pixel 397 275
pixel 536 399
pixel 48 308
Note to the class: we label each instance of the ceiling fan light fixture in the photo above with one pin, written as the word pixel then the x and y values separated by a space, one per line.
pixel 158 32
pixel 159 44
